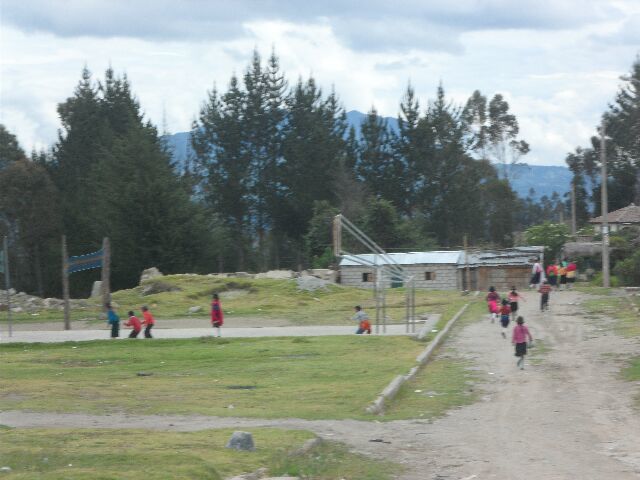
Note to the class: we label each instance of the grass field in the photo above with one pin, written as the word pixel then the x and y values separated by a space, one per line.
pixel 134 454
pixel 317 377
pixel 261 298
pixel 627 320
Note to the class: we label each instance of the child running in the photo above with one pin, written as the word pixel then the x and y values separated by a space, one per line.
pixel 149 321
pixel 544 290
pixel 514 298
pixel 364 325
pixel 113 320
pixel 135 325
pixel 519 339
pixel 505 311
pixel 492 303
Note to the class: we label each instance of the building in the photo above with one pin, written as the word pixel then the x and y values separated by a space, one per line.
pixel 431 270
pixel 618 219
pixel 502 269
pixel 446 270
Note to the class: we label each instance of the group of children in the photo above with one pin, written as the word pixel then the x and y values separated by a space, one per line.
pixel 134 322
pixel 507 309
pixel 561 274
pixel 217 319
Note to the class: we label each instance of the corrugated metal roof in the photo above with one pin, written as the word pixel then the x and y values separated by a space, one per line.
pixel 507 257
pixel 411 258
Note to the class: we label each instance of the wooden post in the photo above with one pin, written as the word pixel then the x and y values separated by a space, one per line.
pixel 65 283
pixel 106 271
pixel 7 283
pixel 467 272
pixel 605 208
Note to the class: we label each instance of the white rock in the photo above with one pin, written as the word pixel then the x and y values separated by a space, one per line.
pixel 195 309
pixel 150 273
pixel 96 290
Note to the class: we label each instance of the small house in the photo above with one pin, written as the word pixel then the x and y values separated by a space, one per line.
pixel 619 219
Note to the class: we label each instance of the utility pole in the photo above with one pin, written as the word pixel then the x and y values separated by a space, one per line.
pixel 574 226
pixel 604 204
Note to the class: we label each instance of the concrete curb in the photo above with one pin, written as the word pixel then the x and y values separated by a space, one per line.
pixel 391 390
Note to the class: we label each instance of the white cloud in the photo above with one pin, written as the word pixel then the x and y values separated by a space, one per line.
pixel 554 61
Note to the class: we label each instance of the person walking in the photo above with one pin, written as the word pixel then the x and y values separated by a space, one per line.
pixel 572 270
pixel 562 274
pixel 134 323
pixel 545 290
pixel 113 320
pixel 552 274
pixel 519 339
pixel 536 274
pixel 217 317
pixel 364 325
pixel 505 312
pixel 493 298
pixel 514 299
pixel 148 321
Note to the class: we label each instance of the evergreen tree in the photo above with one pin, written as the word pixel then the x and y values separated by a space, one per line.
pixel 10 150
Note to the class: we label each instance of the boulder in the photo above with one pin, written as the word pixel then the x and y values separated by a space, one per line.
pixel 309 284
pixel 152 287
pixel 277 274
pixel 195 309
pixel 17 309
pixel 241 441
pixel 96 290
pixel 52 302
pixel 150 273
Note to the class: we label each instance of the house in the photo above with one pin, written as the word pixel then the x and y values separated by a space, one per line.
pixel 502 269
pixel 431 270
pixel 618 219
pixel 445 270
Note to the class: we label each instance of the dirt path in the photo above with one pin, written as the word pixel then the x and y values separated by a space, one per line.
pixel 569 417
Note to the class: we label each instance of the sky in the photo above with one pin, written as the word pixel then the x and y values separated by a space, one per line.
pixel 558 63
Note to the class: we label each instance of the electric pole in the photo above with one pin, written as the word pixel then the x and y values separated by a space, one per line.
pixel 604 202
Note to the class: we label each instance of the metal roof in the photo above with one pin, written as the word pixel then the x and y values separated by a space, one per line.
pixel 507 257
pixel 411 258
pixel 627 215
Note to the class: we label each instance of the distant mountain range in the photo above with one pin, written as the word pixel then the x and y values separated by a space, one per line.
pixel 543 179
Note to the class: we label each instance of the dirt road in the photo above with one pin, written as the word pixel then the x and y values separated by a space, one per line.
pixel 568 417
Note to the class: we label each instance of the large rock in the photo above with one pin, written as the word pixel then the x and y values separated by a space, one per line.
pixel 195 309
pixel 150 273
pixel 150 288
pixel 96 290
pixel 241 441
pixel 309 284
pixel 277 274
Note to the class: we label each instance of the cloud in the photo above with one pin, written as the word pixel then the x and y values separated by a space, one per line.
pixel 378 25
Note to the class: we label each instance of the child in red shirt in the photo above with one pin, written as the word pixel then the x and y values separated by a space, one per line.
pixel 505 311
pixel 544 290
pixel 135 325
pixel 217 317
pixel 492 303
pixel 149 321
pixel 519 339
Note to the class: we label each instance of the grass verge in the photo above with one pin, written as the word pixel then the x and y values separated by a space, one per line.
pixel 49 454
pixel 627 321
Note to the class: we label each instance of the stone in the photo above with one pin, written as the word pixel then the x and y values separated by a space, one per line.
pixel 5 469
pixel 241 275
pixel 195 309
pixel 52 302
pixel 241 441
pixel 156 286
pixel 150 273
pixel 96 290
pixel 17 309
pixel 309 284
pixel 277 274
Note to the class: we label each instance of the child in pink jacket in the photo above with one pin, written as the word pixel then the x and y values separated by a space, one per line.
pixel 519 339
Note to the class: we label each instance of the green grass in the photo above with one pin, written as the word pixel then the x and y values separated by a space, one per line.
pixel 632 371
pixel 134 454
pixel 307 377
pixel 261 298
pixel 592 289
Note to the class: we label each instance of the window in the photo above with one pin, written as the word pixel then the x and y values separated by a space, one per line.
pixel 367 277
pixel 429 275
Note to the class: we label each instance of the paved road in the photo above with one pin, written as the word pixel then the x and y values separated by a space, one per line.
pixel 246 332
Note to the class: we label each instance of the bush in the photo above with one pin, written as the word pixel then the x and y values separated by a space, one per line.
pixel 629 270
pixel 597 280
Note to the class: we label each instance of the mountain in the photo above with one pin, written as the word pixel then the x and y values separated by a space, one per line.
pixel 543 179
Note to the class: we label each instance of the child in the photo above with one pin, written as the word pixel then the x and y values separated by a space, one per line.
pixel 217 318
pixel 114 320
pixel 514 298
pixel 519 339
pixel 536 274
pixel 552 274
pixel 492 303
pixel 135 325
pixel 571 274
pixel 545 288
pixel 149 321
pixel 364 325
pixel 505 310
pixel 562 273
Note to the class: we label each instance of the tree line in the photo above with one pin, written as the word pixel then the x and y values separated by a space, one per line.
pixel 271 164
